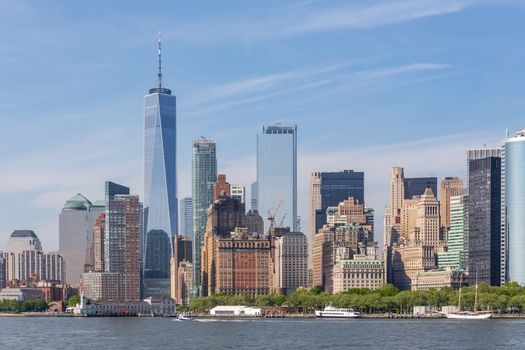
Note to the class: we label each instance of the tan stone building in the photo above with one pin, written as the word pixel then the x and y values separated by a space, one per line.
pixel 450 187
pixel 357 273
pixel 409 214
pixel 291 263
pixel 184 282
pixel 409 261
pixel 435 279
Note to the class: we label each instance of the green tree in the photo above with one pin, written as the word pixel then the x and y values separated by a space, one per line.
pixel 73 300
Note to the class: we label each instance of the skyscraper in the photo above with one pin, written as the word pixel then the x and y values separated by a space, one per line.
pixel 513 207
pixel 160 185
pixel 123 220
pixel 253 199
pixel 239 192
pixel 484 220
pixel 186 217
pixel 450 186
pixel 277 174
pixel 455 256
pixel 76 235
pixel 203 178
pixel 328 189
pixel 416 186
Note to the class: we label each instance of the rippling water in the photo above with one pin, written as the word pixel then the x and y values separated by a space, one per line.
pixel 159 333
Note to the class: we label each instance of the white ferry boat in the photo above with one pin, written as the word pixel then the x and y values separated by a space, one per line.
pixel 332 312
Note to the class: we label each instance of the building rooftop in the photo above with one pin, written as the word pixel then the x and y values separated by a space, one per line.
pixel 77 202
pixel 23 233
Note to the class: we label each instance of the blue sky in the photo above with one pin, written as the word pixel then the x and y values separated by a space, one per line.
pixel 371 84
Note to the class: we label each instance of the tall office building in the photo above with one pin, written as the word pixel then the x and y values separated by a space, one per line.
pixel 253 199
pixel 277 174
pixel 203 178
pixel 123 238
pixel 416 186
pixel 291 262
pixel 75 235
pixel 3 272
pixel 160 185
pixel 455 256
pixel 99 240
pixel 186 217
pixel 238 191
pixel 450 187
pixel 484 220
pixel 328 189
pixel 513 208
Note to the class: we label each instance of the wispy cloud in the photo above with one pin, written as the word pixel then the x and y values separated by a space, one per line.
pixel 312 17
pixel 331 79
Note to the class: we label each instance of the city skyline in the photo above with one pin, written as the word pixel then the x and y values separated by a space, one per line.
pixel 40 179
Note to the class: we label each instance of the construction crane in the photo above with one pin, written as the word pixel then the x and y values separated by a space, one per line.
pixel 281 223
pixel 271 217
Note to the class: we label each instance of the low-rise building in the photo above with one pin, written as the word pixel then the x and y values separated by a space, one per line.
pixel 161 306
pixel 236 310
pixel 435 279
pixel 21 294
pixel 357 273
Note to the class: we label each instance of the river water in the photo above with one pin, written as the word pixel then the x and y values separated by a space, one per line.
pixel 159 333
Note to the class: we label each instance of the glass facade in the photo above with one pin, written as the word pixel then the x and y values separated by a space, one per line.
pixel 277 174
pixel 455 256
pixel 415 186
pixel 160 189
pixel 514 206
pixel 484 220
pixel 204 176
pixel 186 217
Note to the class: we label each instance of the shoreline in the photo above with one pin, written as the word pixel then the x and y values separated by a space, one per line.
pixel 291 316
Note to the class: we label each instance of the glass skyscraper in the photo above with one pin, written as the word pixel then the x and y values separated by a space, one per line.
pixel 484 220
pixel 513 207
pixel 277 174
pixel 160 186
pixel 416 186
pixel 203 178
pixel 186 217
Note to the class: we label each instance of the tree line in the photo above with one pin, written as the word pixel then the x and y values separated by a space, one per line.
pixel 23 306
pixel 387 299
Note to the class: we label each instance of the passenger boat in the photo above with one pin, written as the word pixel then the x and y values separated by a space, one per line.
pixel 332 312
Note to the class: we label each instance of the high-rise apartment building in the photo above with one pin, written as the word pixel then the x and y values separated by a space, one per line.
pixel 513 209
pixel 204 176
pixel 123 239
pixel 328 189
pixel 99 239
pixel 27 263
pixel 160 185
pixel 277 174
pixel 186 217
pixel 75 235
pixel 449 187
pixel 484 220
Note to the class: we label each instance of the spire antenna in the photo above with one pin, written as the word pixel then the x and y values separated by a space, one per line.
pixel 160 65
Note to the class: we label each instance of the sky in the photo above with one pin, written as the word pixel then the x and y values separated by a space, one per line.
pixel 370 84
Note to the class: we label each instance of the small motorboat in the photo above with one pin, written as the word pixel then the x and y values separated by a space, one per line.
pixel 183 317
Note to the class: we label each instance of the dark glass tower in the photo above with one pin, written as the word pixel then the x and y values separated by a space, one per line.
pixel 416 186
pixel 160 186
pixel 484 220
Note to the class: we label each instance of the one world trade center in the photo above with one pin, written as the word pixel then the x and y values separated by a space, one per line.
pixel 160 186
